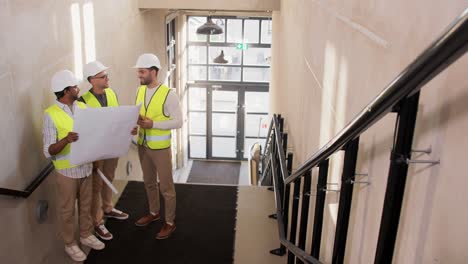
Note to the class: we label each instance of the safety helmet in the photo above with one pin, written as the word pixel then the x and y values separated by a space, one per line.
pixel 93 68
pixel 148 60
pixel 63 79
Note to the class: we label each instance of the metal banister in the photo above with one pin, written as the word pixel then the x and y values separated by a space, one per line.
pixel 398 96
pixel 299 253
pixel 32 186
pixel 449 47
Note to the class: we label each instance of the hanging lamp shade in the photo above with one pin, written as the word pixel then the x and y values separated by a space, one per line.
pixel 209 28
pixel 220 58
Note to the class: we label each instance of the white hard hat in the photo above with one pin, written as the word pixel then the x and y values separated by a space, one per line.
pixel 148 60
pixel 62 80
pixel 93 68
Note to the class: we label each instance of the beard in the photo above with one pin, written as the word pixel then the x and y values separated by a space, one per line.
pixel 146 81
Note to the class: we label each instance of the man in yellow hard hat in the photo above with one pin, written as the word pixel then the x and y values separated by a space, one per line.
pixel 73 182
pixel 160 112
pixel 101 95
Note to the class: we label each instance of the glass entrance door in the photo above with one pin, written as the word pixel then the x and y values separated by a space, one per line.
pixel 226 120
pixel 224 123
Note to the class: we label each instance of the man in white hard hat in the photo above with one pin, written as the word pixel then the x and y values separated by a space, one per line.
pixel 73 182
pixel 100 95
pixel 160 112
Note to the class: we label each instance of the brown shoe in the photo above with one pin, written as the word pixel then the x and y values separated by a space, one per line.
pixel 117 214
pixel 166 231
pixel 145 220
pixel 102 232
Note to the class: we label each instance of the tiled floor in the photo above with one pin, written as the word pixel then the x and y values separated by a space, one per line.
pixel 256 234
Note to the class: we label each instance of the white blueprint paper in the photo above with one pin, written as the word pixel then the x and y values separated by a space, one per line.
pixel 103 132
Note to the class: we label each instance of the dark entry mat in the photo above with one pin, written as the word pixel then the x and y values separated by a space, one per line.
pixel 214 172
pixel 205 220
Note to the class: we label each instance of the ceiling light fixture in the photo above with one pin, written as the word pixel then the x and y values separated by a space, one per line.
pixel 220 58
pixel 209 28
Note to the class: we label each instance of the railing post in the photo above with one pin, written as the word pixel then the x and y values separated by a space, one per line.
pixel 285 215
pixel 283 191
pixel 396 182
pixel 286 197
pixel 281 124
pixel 346 196
pixel 304 212
pixel 295 209
pixel 285 142
pixel 272 152
pixel 319 206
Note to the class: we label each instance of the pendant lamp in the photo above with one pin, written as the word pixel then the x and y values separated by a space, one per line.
pixel 209 28
pixel 220 58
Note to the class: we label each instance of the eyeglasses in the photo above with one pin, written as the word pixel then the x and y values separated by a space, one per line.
pixel 105 76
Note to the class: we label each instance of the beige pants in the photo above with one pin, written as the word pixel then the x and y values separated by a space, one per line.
pixel 68 191
pixel 102 194
pixel 158 164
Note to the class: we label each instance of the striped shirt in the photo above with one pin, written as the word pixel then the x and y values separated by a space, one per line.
pixel 49 137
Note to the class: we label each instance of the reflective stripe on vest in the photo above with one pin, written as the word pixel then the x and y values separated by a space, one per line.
pixel 93 102
pixel 154 138
pixel 64 124
pixel 157 138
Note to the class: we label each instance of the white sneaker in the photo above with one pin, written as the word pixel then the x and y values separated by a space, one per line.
pixel 75 253
pixel 92 242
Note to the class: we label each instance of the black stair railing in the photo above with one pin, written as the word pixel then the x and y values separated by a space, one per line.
pixel 32 186
pixel 401 96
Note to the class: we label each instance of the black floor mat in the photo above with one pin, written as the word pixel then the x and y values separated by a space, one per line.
pixel 214 172
pixel 205 220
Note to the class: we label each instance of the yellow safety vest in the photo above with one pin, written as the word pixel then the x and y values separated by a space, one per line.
pixel 155 138
pixel 93 102
pixel 64 124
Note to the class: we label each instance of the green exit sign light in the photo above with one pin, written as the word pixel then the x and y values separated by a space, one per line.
pixel 242 46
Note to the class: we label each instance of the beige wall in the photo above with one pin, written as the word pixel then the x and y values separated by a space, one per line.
pixel 239 5
pixel 35 41
pixel 330 58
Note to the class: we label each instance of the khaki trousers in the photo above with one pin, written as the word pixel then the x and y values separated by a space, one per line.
pixel 68 191
pixel 158 164
pixel 102 194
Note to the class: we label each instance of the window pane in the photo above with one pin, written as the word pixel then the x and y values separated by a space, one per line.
pixel 225 101
pixel 256 74
pixel 172 59
pixel 234 30
pixel 257 56
pixel 197 73
pixel 220 37
pixel 197 124
pixel 248 142
pixel 266 31
pixel 168 38
pixel 197 98
pixel 224 124
pixel 197 147
pixel 218 73
pixel 257 102
pixel 256 125
pixel 231 54
pixel 193 24
pixel 197 54
pixel 251 28
pixel 224 147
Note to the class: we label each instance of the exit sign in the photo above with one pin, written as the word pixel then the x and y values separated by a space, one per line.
pixel 242 46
